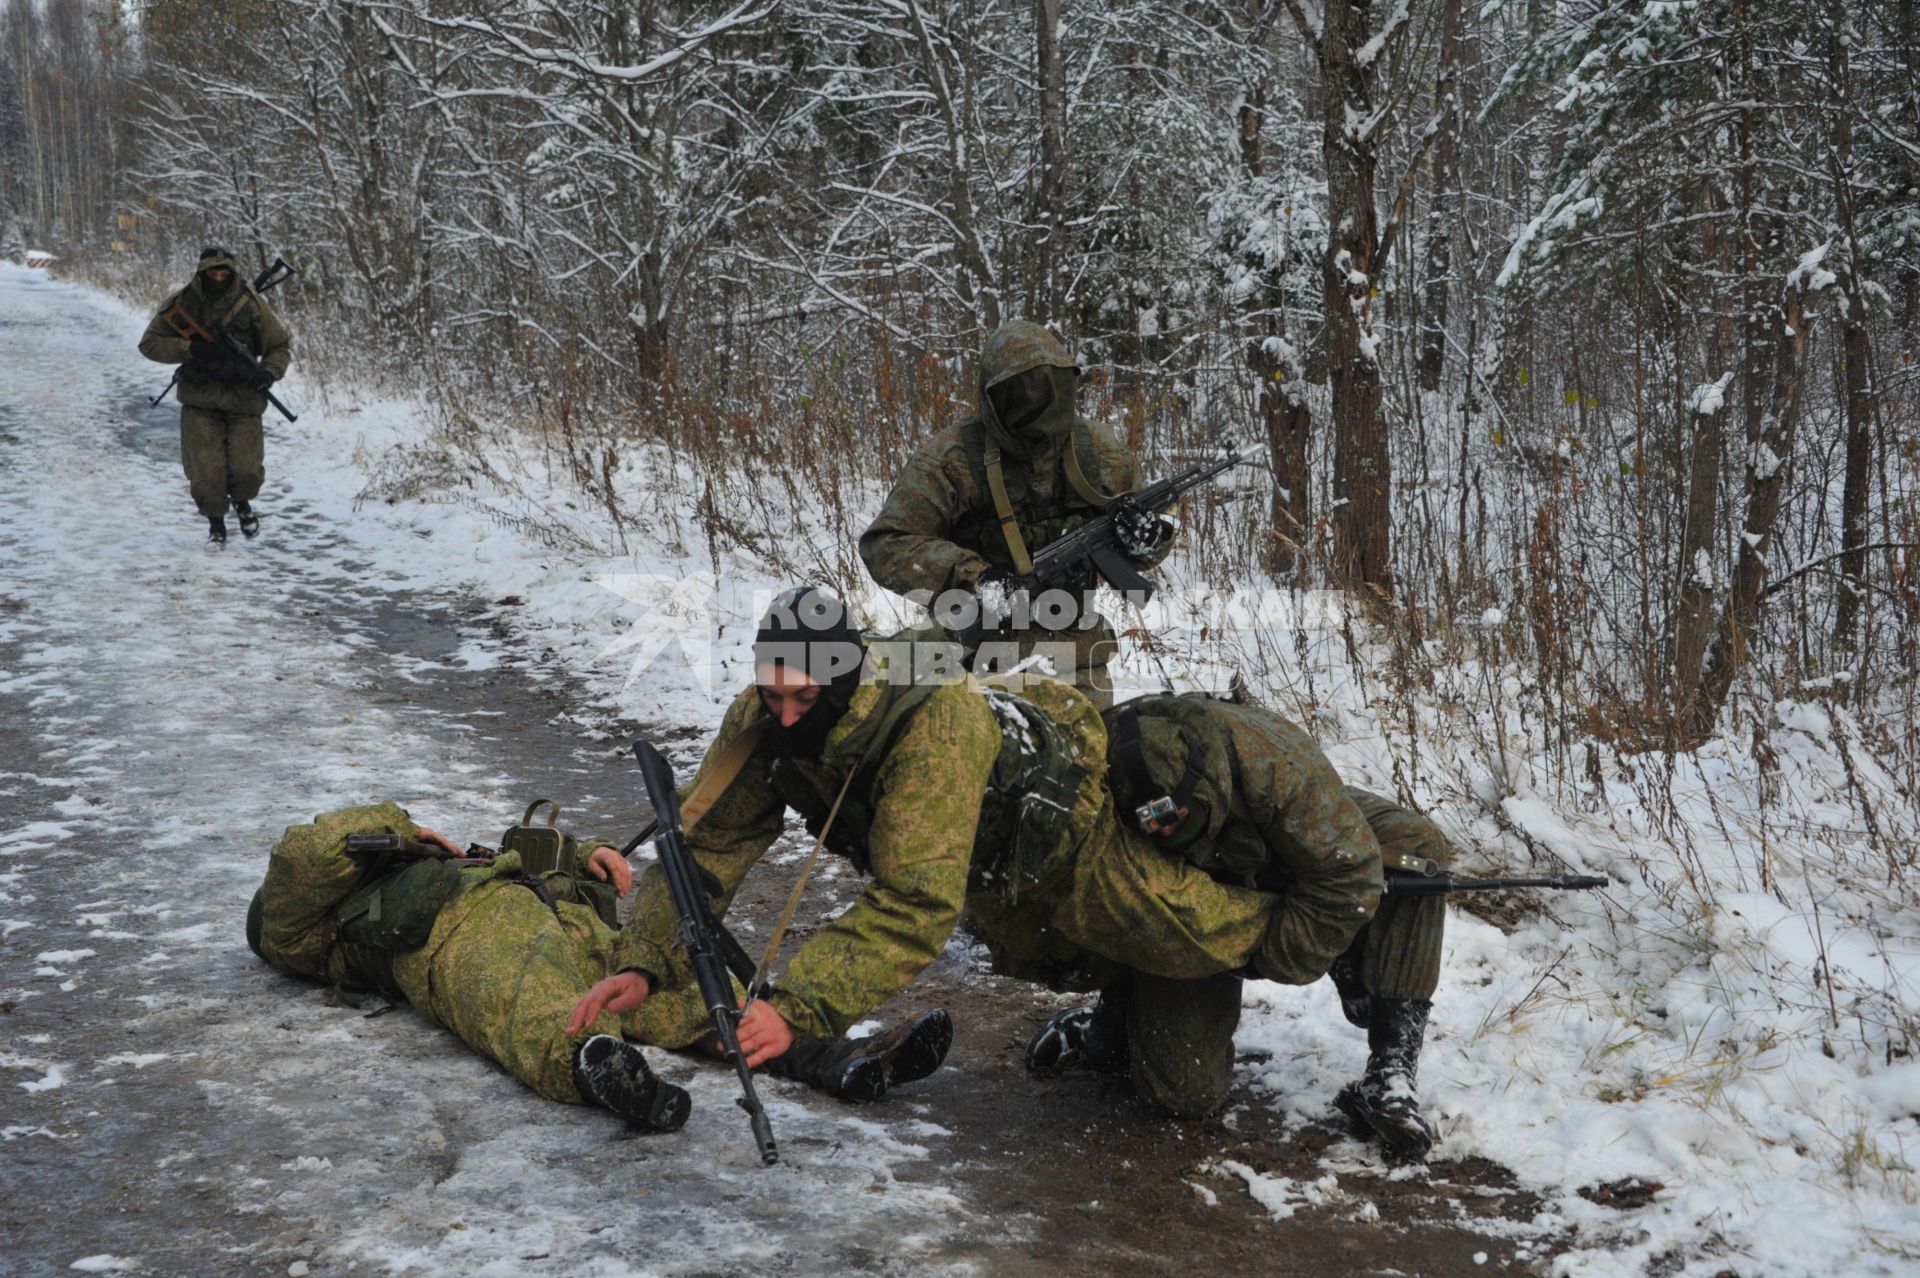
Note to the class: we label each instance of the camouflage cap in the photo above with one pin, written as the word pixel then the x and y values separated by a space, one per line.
pixel 1014 348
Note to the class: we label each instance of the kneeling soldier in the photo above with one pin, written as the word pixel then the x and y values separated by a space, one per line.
pixel 1248 797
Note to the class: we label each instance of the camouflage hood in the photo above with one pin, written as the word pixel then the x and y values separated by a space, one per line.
pixel 213 259
pixel 1018 348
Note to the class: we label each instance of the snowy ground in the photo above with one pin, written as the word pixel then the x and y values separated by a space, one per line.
pixel 1655 1066
pixel 169 1106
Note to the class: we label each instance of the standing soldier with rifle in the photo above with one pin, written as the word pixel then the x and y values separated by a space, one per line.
pixel 230 347
pixel 977 500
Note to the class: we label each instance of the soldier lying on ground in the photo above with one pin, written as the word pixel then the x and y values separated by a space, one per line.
pixel 500 957
pixel 956 798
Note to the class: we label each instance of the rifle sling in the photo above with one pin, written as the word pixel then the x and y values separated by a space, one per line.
pixel 1078 477
pixel 1003 510
pixel 707 789
pixel 711 784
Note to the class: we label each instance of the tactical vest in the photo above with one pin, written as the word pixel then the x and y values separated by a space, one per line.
pixel 1028 801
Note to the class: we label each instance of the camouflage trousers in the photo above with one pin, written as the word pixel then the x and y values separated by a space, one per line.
pixel 1180 1033
pixel 504 972
pixel 224 455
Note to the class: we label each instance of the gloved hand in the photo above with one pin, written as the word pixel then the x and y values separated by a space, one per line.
pixel 201 351
pixel 256 377
pixel 1138 532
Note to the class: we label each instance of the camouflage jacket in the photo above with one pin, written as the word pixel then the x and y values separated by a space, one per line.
pixel 296 923
pixel 1316 847
pixel 247 319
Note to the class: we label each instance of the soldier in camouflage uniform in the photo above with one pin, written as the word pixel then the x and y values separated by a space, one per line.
pixel 501 958
pixel 957 800
pixel 222 437
pixel 975 500
pixel 1248 797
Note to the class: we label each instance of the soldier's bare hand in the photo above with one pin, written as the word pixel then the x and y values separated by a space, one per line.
pixel 607 865
pixel 621 992
pixel 764 1034
pixel 439 840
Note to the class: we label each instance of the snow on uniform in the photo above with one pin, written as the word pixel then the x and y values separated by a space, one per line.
pixel 473 949
pixel 222 438
pixel 939 529
pixel 963 800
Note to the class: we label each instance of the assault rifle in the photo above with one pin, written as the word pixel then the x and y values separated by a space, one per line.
pixel 711 951
pixel 1403 884
pixel 1060 561
pixel 230 350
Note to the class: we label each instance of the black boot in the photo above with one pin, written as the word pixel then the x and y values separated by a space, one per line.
pixel 217 530
pixel 1385 1103
pixel 613 1074
pixel 249 522
pixel 1355 1003
pixel 1092 1038
pixel 862 1069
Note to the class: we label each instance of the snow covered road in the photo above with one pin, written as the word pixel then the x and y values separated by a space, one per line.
pixel 165 1101
pixel 170 1106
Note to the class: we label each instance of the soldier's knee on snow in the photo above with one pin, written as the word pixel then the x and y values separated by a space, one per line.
pixel 1190 1096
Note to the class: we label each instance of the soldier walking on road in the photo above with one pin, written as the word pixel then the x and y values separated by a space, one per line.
pixel 975 500
pixel 222 437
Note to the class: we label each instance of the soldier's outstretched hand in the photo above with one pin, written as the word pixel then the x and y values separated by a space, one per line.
pixel 607 865
pixel 621 992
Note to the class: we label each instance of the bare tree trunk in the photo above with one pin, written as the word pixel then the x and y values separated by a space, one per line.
pixel 1856 354
pixel 1051 223
pixel 1440 207
pixel 1281 386
pixel 1694 620
pixel 1768 468
pixel 1362 464
pixel 1856 362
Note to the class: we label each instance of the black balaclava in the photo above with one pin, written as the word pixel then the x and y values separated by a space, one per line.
pixel 211 258
pixel 807 629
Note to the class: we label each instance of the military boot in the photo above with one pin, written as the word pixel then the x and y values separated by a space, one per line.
pixel 1092 1038
pixel 862 1069
pixel 1355 1003
pixel 249 522
pixel 217 530
pixel 1385 1104
pixel 613 1074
